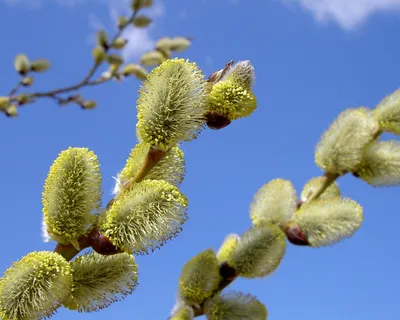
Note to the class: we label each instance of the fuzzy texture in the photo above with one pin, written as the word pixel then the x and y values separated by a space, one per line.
pixel 183 313
pixel 35 286
pixel 381 164
pixel 259 251
pixel 171 104
pixel 236 306
pixel 199 278
pixel 314 184
pixel 242 72
pixel 72 192
pixel 145 217
pixel 325 222
pixel 231 100
pixel 171 167
pixel 275 202
pixel 99 281
pixel 228 247
pixel 387 113
pixel 341 147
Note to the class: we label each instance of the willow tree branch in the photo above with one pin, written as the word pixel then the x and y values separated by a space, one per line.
pixel 86 81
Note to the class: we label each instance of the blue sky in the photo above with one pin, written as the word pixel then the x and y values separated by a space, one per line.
pixel 312 58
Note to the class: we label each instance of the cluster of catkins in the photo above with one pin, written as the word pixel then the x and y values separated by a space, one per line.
pixel 321 217
pixel 175 103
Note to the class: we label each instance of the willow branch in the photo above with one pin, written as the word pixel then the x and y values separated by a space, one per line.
pixel 86 81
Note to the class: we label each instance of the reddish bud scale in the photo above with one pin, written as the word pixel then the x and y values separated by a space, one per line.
pixel 296 236
pixel 216 121
pixel 101 244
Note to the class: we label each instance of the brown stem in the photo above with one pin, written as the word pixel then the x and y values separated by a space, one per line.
pixel 69 251
pixel 15 89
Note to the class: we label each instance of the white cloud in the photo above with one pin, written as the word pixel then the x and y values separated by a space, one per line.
pixel 139 40
pixel 349 14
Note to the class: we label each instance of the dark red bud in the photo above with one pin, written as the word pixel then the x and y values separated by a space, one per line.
pixel 101 244
pixel 296 236
pixel 216 121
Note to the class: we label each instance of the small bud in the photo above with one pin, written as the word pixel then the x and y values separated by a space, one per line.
pixel 100 281
pixel 314 184
pixel 275 202
pixel 11 110
pixel 259 251
pixel 152 58
pixel 179 44
pixel 22 64
pixel 164 43
pixel 35 286
pixel 235 306
pixel 102 39
pixel 328 221
pixel 115 59
pixel 4 101
pixel 113 69
pixel 89 104
pixel 98 54
pixel 135 69
pixel 217 121
pixel 381 164
pixel 199 278
pixel 40 65
pixel 141 21
pixel 227 248
pixel 27 81
pixel 119 43
pixel 122 22
pixel 140 4
pixel 341 147
pixel 23 98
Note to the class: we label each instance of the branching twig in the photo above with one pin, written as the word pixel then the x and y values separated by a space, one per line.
pixel 85 82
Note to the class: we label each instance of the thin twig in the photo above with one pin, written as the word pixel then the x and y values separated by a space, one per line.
pixel 86 81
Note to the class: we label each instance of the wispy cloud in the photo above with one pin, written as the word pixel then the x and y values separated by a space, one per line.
pixel 139 40
pixel 348 14
pixel 39 3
